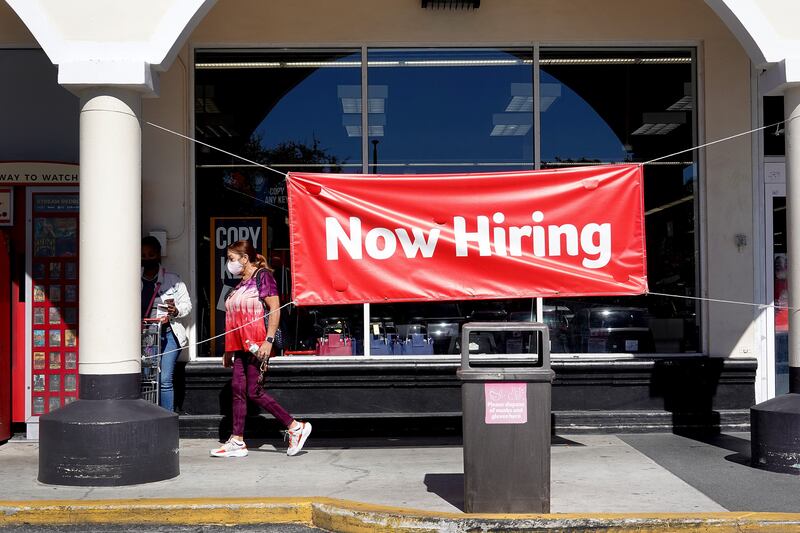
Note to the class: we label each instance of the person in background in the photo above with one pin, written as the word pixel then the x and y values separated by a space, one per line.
pixel 164 298
pixel 249 342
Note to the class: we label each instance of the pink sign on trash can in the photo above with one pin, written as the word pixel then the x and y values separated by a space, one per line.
pixel 506 403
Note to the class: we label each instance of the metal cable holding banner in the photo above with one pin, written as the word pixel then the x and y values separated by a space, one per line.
pixel 698 147
pixel 720 301
pixel 177 350
pixel 741 134
pixel 257 319
pixel 216 148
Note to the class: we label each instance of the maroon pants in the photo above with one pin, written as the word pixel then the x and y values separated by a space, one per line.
pixel 245 384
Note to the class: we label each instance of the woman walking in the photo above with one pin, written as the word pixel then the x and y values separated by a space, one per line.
pixel 249 342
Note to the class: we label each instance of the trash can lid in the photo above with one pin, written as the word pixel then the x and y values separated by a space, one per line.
pixel 540 375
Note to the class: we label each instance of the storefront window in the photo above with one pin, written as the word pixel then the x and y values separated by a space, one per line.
pixel 289 110
pixel 620 106
pixel 442 110
pixel 450 110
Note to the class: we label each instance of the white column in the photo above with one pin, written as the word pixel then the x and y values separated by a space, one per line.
pixel 791 109
pixel 110 231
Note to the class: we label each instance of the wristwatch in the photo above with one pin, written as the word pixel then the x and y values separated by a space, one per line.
pixel 271 340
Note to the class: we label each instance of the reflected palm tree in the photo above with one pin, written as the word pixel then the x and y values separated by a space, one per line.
pixel 292 154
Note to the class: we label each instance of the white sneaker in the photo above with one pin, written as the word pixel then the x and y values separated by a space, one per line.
pixel 297 437
pixel 232 448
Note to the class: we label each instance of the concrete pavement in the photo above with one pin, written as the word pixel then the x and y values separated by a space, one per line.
pixel 590 474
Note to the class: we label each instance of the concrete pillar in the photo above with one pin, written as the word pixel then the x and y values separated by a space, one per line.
pixel 110 232
pixel 775 424
pixel 109 436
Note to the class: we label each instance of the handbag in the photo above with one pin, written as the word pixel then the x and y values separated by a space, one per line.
pixel 278 343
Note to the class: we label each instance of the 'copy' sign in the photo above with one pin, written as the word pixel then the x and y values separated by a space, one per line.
pixel 506 403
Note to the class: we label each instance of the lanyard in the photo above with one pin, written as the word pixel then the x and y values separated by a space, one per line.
pixel 156 288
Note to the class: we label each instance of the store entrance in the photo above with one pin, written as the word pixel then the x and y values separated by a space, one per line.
pixel 777 361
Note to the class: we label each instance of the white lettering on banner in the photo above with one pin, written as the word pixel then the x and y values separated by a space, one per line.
pixel 481 236
pixel 389 243
pixel 335 235
pixel 419 244
pixel 594 240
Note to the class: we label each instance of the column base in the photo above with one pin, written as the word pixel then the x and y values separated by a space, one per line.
pixel 775 434
pixel 103 443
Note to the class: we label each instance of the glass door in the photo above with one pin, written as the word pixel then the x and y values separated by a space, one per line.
pixel 777 368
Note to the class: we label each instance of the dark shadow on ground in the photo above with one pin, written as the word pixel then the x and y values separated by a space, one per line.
pixel 740 446
pixel 705 462
pixel 449 487
pixel 555 440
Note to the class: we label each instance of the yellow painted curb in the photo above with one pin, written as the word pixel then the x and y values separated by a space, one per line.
pixel 158 511
pixel 354 517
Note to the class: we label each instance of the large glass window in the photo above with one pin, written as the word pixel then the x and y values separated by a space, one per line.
pixel 440 111
pixel 620 106
pixel 443 110
pixel 289 110
pixel 453 110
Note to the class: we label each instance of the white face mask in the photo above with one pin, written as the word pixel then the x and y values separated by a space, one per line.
pixel 235 268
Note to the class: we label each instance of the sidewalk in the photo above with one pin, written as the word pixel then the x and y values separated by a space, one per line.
pixel 591 474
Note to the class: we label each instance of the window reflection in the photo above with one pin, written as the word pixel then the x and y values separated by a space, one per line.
pixel 457 110
pixel 439 111
pixel 617 106
pixel 781 294
pixel 435 328
pixel 286 110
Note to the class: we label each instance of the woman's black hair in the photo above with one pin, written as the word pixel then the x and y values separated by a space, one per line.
pixel 152 242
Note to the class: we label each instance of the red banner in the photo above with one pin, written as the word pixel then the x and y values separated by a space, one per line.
pixel 389 238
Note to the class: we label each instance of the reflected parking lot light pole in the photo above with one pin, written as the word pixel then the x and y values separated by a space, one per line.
pixel 375 155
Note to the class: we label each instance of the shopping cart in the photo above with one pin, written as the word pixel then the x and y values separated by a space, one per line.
pixel 151 360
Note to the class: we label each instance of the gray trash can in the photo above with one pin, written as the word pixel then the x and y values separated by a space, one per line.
pixel 505 395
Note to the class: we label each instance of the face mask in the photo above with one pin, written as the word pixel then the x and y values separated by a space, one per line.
pixel 150 264
pixel 235 268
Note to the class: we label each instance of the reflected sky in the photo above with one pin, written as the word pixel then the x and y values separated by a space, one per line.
pixel 572 129
pixel 454 106
pixel 311 110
